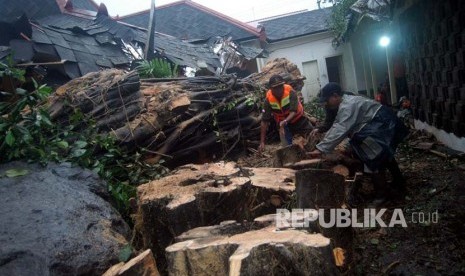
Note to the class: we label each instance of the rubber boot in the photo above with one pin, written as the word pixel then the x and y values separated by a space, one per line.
pixel 398 181
pixel 353 195
pixel 380 187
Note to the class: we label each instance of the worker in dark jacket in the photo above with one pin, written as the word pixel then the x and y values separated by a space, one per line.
pixel 282 105
pixel 374 132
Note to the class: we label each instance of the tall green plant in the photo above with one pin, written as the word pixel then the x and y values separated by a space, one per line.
pixel 25 125
pixel 315 109
pixel 338 22
pixel 157 68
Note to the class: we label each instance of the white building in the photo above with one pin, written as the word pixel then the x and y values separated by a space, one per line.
pixel 304 39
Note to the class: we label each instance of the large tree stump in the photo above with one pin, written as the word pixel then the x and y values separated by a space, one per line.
pixel 199 195
pixel 234 249
pixel 324 190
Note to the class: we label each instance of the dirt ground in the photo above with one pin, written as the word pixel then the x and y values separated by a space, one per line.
pixel 425 246
pixel 433 243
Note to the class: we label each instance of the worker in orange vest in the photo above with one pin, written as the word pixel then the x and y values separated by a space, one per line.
pixel 282 104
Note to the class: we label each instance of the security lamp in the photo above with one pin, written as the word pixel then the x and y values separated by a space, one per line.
pixel 384 41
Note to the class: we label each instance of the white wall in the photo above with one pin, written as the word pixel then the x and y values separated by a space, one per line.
pixel 314 47
pixel 448 139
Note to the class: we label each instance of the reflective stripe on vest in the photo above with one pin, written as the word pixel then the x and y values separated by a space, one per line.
pixel 281 109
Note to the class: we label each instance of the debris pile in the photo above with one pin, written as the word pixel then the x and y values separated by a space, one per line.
pixel 181 120
pixel 173 119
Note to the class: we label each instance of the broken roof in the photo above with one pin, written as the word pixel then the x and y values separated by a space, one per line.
pixel 297 25
pixel 88 5
pixel 188 20
pixel 81 42
pixel 11 10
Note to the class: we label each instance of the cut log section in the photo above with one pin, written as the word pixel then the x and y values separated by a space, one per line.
pixel 325 190
pixel 279 66
pixel 143 264
pixel 199 195
pixel 236 249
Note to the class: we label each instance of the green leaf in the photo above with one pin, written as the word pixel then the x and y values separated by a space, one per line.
pixel 3 126
pixel 79 152
pixel 10 138
pixel 125 253
pixel 80 144
pixel 16 172
pixel 374 241
pixel 63 145
pixel 21 91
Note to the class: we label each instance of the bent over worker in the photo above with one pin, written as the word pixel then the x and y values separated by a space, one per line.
pixel 282 105
pixel 374 132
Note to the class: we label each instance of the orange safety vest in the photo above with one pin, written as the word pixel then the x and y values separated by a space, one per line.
pixel 281 109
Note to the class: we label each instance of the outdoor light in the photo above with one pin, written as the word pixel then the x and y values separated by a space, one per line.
pixel 384 41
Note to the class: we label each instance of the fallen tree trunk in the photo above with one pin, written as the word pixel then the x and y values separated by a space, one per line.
pixel 176 117
pixel 168 118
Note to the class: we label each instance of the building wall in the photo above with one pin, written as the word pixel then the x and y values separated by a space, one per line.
pixel 434 33
pixel 370 59
pixel 314 47
pixel 433 41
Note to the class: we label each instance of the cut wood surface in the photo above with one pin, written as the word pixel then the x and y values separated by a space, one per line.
pixel 199 195
pixel 325 190
pixel 235 248
pixel 141 265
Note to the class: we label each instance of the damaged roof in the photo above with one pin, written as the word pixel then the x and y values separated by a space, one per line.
pixel 186 54
pixel 188 20
pixel 297 25
pixel 11 10
pixel 88 5
pixel 82 43
pixel 76 43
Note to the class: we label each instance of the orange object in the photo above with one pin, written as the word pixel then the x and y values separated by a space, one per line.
pixel 381 98
pixel 281 108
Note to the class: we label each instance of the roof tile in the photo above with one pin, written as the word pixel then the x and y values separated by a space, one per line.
pixel 296 25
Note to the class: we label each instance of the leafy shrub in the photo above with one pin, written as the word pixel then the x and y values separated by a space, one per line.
pixel 27 132
pixel 156 68
pixel 315 109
